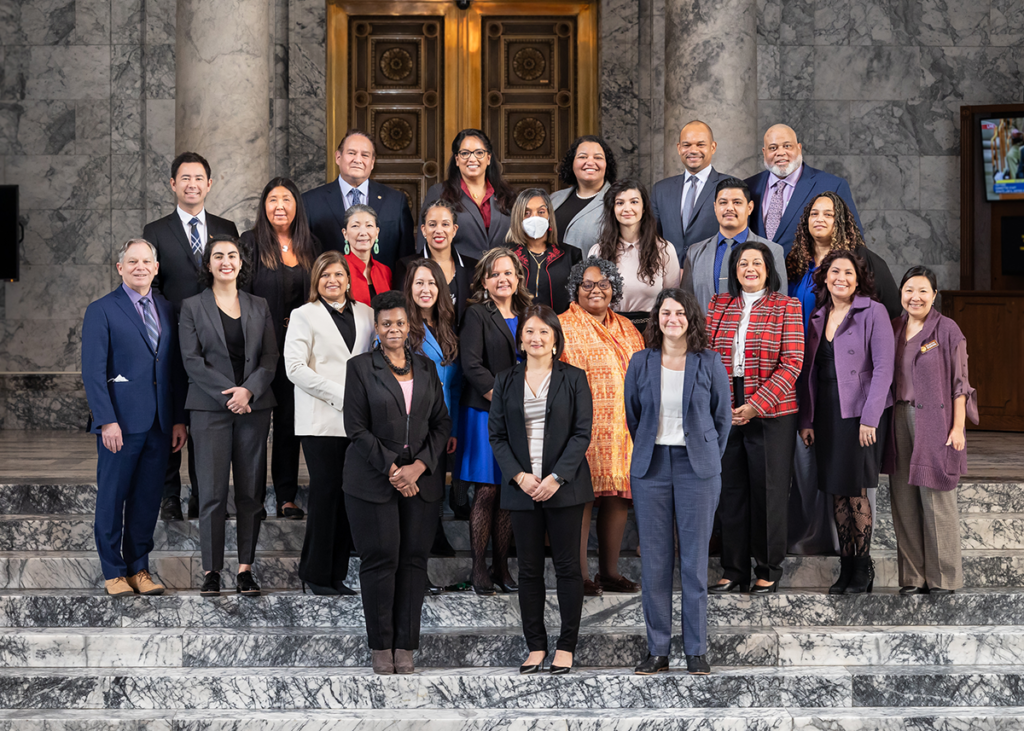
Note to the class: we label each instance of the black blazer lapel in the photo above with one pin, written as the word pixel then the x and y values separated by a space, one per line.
pixel 503 328
pixel 253 329
pixel 475 216
pixel 517 414
pixel 335 202
pixel 173 222
pixel 375 197
pixel 125 303
pixel 390 383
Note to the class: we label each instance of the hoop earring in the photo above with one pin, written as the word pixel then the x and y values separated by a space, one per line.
pixel 376 246
pixel 346 246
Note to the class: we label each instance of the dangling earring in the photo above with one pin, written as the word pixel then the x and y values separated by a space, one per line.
pixel 346 246
pixel 376 246
pixel 487 295
pixel 554 352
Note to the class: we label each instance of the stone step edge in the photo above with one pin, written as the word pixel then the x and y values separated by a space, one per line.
pixel 875 553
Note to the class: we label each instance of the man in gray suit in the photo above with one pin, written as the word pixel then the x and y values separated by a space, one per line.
pixel 684 204
pixel 706 266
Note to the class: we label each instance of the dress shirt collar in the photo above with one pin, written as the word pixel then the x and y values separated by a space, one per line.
pixel 363 188
pixel 740 238
pixel 186 217
pixel 135 296
pixel 791 180
pixel 702 176
pixel 455 253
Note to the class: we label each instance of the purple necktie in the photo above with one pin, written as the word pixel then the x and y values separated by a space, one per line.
pixel 771 221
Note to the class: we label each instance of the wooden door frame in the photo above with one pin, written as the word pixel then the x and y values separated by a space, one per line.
pixel 463 82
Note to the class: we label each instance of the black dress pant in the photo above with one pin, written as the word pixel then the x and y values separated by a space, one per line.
pixel 756 472
pixel 328 542
pixel 393 540
pixel 172 478
pixel 562 526
pixel 284 458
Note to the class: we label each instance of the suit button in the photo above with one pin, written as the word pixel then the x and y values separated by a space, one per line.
pixel 154 383
pixel 850 352
pixel 853 373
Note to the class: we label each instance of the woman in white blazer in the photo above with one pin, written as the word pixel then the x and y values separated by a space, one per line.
pixel 320 338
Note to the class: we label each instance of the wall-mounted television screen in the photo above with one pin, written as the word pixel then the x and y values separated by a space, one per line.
pixel 1002 142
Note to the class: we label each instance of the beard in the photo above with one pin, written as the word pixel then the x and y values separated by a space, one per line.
pixel 784 172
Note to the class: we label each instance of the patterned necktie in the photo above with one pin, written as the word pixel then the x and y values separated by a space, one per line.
pixel 771 221
pixel 355 197
pixel 150 319
pixel 195 241
pixel 689 199
pixel 722 265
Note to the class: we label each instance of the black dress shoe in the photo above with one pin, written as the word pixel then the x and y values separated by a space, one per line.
pixel 170 509
pixel 319 589
pixel 560 669
pixel 911 590
pixel 246 585
pixel 941 592
pixel 728 588
pixel 652 665
pixel 193 506
pixel 342 589
pixel 433 589
pixel 211 584
pixel 530 669
pixel 290 513
pixel 769 589
pixel 698 664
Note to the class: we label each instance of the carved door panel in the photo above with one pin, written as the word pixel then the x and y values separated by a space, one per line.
pixel 396 68
pixel 529 94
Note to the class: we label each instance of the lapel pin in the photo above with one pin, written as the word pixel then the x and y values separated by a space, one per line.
pixel 378 197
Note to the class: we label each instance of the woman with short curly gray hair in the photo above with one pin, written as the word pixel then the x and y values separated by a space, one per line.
pixel 601 343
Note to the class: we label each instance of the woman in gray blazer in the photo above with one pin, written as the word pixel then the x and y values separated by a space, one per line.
pixel 678 443
pixel 230 354
pixel 588 170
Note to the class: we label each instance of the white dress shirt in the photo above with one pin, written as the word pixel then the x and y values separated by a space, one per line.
pixel 670 415
pixel 702 179
pixel 203 232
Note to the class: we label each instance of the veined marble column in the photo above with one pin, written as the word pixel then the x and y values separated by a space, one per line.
pixel 222 108
pixel 711 75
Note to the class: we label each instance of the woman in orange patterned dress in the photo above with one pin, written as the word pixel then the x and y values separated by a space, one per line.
pixel 601 343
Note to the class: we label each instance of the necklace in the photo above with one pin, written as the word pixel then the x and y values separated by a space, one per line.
pixel 285 248
pixel 408 362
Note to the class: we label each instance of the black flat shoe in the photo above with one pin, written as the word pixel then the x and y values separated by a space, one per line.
pixel 698 664
pixel 560 669
pixel 343 590
pixel 530 669
pixel 246 585
pixel 290 513
pixel 211 584
pixel 912 590
pixel 728 588
pixel 769 589
pixel 433 589
pixel 319 590
pixel 652 665
pixel 941 592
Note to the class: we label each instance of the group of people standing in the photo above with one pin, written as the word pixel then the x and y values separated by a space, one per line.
pixel 720 356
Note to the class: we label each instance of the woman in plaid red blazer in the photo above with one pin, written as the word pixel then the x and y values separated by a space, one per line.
pixel 760 335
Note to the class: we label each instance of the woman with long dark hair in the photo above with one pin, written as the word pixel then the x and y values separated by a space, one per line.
pixel 474 186
pixel 282 250
pixel 533 238
pixel 629 239
pixel 587 170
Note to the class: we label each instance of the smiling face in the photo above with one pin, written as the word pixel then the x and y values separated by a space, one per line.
pixel 138 268
pixel 501 282
pixel 751 271
pixel 424 288
pixel 672 320
pixel 191 186
pixel 732 210
pixel 538 338
pixel 333 283
pixel 918 297
pixel 598 297
pixel 361 233
pixel 225 262
pixel 782 153
pixel 841 280
pixel 695 147
pixel 589 165
pixel 822 220
pixel 439 229
pixel 392 328
pixel 629 207
pixel 280 208
pixel 355 160
pixel 472 159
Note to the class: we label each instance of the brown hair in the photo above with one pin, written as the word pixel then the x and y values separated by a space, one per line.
pixel 443 313
pixel 650 246
pixel 522 297
pixel 865 279
pixel 845 236
pixel 696 330
pixel 323 261
pixel 516 234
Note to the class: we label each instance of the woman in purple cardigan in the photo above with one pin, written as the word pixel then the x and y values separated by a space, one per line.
pixel 843 391
pixel 925 449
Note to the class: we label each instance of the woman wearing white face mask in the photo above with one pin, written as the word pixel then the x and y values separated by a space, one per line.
pixel 534 240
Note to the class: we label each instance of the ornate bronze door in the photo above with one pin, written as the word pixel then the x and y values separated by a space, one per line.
pixel 412 74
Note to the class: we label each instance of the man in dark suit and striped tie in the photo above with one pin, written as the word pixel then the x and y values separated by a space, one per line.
pixel 180 239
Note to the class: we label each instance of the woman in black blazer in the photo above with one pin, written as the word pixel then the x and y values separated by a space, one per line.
pixel 488 345
pixel 398 425
pixel 282 250
pixel 480 195
pixel 540 422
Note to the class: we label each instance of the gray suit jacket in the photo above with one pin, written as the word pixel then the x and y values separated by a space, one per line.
pixel 699 268
pixel 585 228
pixel 667 201
pixel 204 352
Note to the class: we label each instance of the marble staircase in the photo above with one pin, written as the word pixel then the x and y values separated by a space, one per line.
pixel 74 659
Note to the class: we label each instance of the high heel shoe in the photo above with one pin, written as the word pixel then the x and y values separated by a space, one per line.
pixel 863 577
pixel 772 588
pixel 560 669
pixel 293 513
pixel 530 669
pixel 728 588
pixel 506 588
pixel 846 564
pixel 483 589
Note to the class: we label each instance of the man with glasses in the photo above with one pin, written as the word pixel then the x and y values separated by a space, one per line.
pixel 326 205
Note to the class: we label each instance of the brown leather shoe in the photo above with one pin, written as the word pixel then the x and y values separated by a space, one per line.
pixel 143 583
pixel 403 662
pixel 591 589
pixel 621 584
pixel 118 586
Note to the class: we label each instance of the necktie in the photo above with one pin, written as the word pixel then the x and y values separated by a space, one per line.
pixel 150 319
pixel 689 199
pixel 195 241
pixel 355 197
pixel 771 221
pixel 722 265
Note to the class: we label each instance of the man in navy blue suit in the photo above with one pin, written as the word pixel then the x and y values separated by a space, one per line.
pixel 326 205
pixel 786 186
pixel 136 386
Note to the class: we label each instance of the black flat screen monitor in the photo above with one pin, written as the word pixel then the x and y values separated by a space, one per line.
pixel 1002 142
pixel 10 233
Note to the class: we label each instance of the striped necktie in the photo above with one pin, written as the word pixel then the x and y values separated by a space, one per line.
pixel 149 317
pixel 194 241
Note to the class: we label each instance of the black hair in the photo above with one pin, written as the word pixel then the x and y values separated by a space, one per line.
pixel 353 132
pixel 268 248
pixel 865 277
pixel 774 282
pixel 696 329
pixel 439 203
pixel 734 184
pixel 451 190
pixel 546 315
pixel 921 271
pixel 206 276
pixel 390 300
pixel 189 157
pixel 565 172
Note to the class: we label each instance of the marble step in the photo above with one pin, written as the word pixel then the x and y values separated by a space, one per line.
pixel 279 569
pixel 635 719
pixel 837 689
pixel 503 646
pixel 788 608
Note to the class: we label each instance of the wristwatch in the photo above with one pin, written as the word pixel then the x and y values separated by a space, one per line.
pixel 560 480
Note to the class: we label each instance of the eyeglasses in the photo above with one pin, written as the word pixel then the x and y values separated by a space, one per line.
pixel 587 285
pixel 478 154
